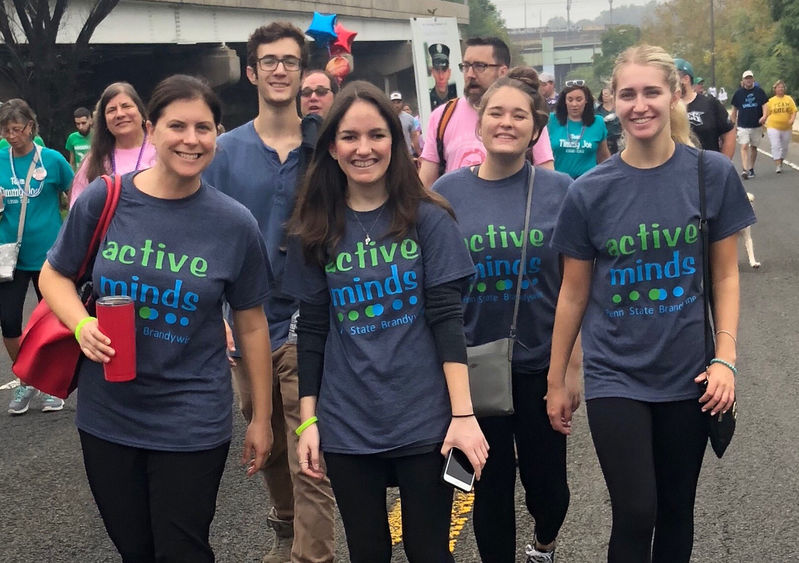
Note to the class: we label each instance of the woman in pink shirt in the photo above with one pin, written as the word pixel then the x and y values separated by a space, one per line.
pixel 119 140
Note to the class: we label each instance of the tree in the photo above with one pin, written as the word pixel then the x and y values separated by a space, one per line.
pixel 45 74
pixel 486 21
pixel 614 41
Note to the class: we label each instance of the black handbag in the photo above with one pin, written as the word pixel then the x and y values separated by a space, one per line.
pixel 721 427
pixel 490 377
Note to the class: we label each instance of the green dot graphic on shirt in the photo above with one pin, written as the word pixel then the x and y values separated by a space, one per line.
pixel 495 272
pixel 374 287
pixel 653 260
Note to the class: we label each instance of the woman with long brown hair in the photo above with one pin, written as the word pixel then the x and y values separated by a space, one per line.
pixel 379 267
pixel 119 138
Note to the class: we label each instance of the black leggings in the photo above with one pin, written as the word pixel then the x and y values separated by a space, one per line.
pixel 542 470
pixel 156 506
pixel 12 301
pixel 359 483
pixel 651 455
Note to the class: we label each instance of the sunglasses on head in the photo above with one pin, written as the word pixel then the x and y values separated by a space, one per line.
pixel 319 91
pixel 579 82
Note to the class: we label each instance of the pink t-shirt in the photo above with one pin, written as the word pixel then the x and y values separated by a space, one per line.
pixel 461 145
pixel 125 160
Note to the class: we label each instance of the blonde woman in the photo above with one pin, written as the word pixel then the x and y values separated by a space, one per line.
pixel 628 231
pixel 779 117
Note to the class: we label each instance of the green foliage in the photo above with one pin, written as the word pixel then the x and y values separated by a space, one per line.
pixel 746 37
pixel 614 41
pixel 486 21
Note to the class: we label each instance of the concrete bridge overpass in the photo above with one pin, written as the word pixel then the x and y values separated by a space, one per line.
pixel 142 41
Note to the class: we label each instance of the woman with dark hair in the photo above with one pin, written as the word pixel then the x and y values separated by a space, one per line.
pixel 379 265
pixel 155 447
pixel 495 193
pixel 577 136
pixel 119 138
pixel 32 179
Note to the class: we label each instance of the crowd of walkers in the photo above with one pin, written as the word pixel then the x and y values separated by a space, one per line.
pixel 306 253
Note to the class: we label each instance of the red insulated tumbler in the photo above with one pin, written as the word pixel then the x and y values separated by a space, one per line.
pixel 116 319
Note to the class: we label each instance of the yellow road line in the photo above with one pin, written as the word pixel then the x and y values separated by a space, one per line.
pixel 461 507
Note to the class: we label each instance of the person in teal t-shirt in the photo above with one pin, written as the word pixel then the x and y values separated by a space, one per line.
pixel 79 142
pixel 577 136
pixel 40 175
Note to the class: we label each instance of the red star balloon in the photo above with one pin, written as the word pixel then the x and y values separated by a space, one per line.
pixel 343 43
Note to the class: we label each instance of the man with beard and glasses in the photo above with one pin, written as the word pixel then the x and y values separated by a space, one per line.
pixel 485 60
pixel 261 164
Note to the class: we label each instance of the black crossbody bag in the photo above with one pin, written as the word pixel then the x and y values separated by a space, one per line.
pixel 721 427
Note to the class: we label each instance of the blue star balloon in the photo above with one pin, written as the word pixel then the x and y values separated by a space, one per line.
pixel 322 28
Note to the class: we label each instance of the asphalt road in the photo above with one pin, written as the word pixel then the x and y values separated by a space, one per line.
pixel 747 502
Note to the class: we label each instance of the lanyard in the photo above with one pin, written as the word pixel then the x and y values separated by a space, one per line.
pixel 138 160
pixel 569 135
pixel 37 157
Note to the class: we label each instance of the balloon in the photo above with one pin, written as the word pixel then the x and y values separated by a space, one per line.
pixel 322 28
pixel 343 43
pixel 340 66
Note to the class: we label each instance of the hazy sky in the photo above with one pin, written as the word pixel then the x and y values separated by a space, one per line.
pixel 540 11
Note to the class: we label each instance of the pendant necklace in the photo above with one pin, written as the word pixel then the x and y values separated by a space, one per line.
pixel 368 238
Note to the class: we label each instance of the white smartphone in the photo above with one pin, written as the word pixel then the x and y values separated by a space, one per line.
pixel 458 472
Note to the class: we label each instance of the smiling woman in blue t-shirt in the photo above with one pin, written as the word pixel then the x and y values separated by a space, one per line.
pixel 490 202
pixel 36 176
pixel 629 231
pixel 155 447
pixel 578 137
pixel 379 267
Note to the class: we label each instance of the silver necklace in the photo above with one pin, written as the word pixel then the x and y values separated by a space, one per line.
pixel 368 238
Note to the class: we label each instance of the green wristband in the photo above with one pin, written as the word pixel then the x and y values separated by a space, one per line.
pixel 725 363
pixel 80 326
pixel 301 428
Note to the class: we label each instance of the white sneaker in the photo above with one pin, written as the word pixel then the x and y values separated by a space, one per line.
pixel 779 169
pixel 535 556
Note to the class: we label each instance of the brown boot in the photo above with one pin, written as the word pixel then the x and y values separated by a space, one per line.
pixel 284 537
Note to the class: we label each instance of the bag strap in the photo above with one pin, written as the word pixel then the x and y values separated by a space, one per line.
pixel 449 109
pixel 707 285
pixel 523 261
pixel 114 188
pixel 24 206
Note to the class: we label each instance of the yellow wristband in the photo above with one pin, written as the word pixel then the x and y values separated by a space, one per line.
pixel 80 326
pixel 301 428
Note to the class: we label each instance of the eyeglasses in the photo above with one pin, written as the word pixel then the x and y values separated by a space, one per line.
pixel 479 68
pixel 319 91
pixel 13 131
pixel 579 82
pixel 269 63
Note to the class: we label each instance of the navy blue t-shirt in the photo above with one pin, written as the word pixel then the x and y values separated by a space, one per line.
pixel 178 260
pixel 643 329
pixel 383 385
pixel 491 220
pixel 750 106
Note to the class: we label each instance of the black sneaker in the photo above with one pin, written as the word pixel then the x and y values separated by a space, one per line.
pixel 751 172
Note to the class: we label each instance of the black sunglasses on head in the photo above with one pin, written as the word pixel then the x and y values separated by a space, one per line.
pixel 578 82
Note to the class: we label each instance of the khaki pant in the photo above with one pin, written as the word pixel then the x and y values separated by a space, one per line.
pixel 295 496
